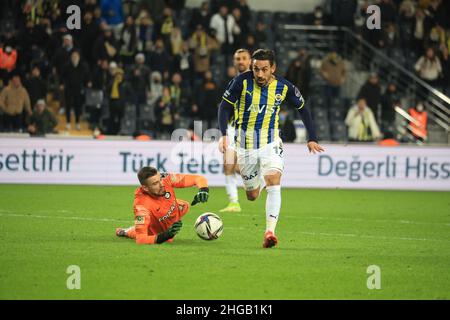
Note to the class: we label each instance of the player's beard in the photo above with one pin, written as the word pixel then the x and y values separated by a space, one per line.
pixel 242 68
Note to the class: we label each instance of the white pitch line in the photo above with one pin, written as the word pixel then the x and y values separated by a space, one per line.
pixel 63 218
pixel 351 219
pixel 231 228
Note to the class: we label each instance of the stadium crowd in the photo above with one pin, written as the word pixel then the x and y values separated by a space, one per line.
pixel 151 63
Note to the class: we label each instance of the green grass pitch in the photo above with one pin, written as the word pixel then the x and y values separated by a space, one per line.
pixel 327 240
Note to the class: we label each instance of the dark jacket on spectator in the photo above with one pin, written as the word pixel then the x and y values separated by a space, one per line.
pixel 44 122
pixel 37 89
pixel 75 78
pixel 372 94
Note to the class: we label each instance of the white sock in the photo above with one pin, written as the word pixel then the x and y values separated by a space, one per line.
pixel 231 187
pixel 273 206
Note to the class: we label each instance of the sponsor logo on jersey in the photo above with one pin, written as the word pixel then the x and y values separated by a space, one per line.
pixel 169 213
pixel 140 220
pixel 260 108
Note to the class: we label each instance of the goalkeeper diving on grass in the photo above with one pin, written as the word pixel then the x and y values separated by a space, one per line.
pixel 157 211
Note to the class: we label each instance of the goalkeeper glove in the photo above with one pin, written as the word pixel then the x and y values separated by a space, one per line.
pixel 169 233
pixel 201 196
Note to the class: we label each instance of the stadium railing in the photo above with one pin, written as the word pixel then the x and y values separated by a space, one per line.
pixel 366 58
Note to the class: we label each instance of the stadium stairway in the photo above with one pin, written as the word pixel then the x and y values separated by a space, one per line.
pixel 54 106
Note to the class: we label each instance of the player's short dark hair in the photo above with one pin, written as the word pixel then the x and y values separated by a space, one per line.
pixel 243 50
pixel 264 54
pixel 145 173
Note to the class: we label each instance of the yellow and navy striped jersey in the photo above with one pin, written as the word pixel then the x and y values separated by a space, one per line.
pixel 231 123
pixel 257 108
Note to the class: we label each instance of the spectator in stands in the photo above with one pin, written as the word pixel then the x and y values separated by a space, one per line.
pixel 202 45
pixel 389 101
pixel 8 60
pixel 42 120
pixel 299 72
pixel 112 12
pixel 231 73
pixel 144 70
pixel 343 12
pixel 116 94
pixel 200 16
pixel 159 59
pixel 388 12
pixel 156 87
pixel 155 7
pixel 165 113
pixel 90 5
pixel 371 92
pixel 429 67
pixel 419 125
pixel 287 127
pixel 27 39
pixel 334 72
pixel 260 34
pixel 407 11
pixel 183 63
pixel 179 96
pixel 241 29
pixel 14 100
pixel 145 27
pixel 224 25
pixel 445 69
pixel 138 87
pixel 208 99
pixel 437 36
pixel 244 8
pixel 176 41
pixel 106 46
pixel 164 28
pixel 36 86
pixel 419 31
pixel 361 123
pixel 62 55
pixel 75 77
pixel 250 44
pixel 89 34
pixel 101 76
pixel 318 17
pixel 128 41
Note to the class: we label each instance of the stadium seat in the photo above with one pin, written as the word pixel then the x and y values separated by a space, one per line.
pixel 145 124
pixel 323 130
pixel 146 112
pixel 337 114
pixel 338 131
pixel 266 17
pixel 318 101
pixel 318 90
pixel 297 18
pixel 127 126
pixel 281 17
pixel 320 114
pixel 130 110
pixel 336 103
